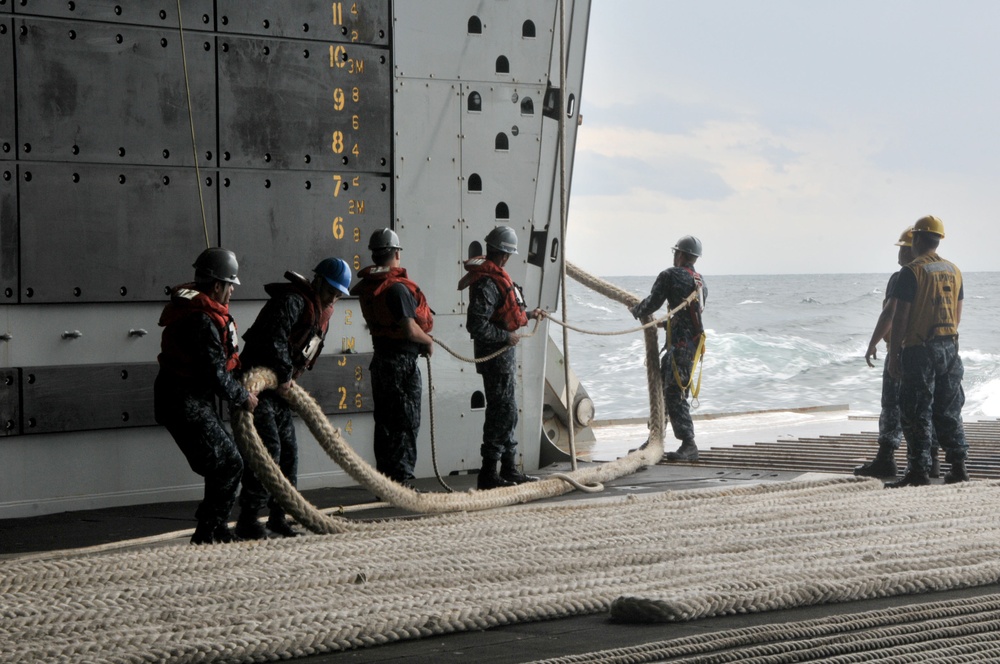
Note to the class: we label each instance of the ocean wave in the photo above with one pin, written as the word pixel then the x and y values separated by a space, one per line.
pixel 973 355
pixel 766 350
pixel 982 399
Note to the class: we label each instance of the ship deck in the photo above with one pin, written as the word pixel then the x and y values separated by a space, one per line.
pixel 764 448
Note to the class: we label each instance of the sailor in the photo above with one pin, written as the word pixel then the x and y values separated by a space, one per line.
pixel 684 338
pixel 287 338
pixel 923 356
pixel 890 431
pixel 496 311
pixel 399 320
pixel 197 360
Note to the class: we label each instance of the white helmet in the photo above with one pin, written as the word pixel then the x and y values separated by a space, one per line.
pixel 689 244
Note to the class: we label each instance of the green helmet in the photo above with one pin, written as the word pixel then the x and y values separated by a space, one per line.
pixel 383 240
pixel 216 264
pixel 336 272
pixel 502 238
pixel 689 244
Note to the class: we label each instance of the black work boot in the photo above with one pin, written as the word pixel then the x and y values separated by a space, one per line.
pixel 688 451
pixel 213 531
pixel 203 533
pixel 509 471
pixel 935 463
pixel 911 478
pixel 489 478
pixel 883 465
pixel 248 527
pixel 958 473
pixel 223 534
pixel 277 524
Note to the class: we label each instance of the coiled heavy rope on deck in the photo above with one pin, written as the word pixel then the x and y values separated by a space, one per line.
pixel 338 449
pixel 344 455
pixel 703 553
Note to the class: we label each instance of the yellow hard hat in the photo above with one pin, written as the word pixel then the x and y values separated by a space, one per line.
pixel 906 238
pixel 929 224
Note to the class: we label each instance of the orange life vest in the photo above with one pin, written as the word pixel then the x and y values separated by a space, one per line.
pixel 510 315
pixel 376 280
pixel 185 301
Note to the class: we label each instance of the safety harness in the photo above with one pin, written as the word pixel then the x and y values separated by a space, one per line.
pixel 308 333
pixel 694 311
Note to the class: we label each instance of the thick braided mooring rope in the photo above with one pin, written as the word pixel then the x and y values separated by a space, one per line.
pixel 687 554
pixel 354 465
pixel 958 630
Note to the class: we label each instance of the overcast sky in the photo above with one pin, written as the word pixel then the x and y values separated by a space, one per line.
pixel 791 136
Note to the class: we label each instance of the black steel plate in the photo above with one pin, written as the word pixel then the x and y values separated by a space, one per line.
pixel 304 105
pixel 359 21
pixel 93 92
pixel 340 383
pixel 9 244
pixel 10 402
pixel 104 240
pixel 86 397
pixel 197 14
pixel 7 137
pixel 277 221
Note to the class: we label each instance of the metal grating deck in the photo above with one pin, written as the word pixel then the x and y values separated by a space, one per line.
pixel 841 453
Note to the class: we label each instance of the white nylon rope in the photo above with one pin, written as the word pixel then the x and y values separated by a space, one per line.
pixel 344 455
pixel 688 554
pixel 338 449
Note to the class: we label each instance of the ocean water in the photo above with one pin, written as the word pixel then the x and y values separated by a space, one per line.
pixel 777 341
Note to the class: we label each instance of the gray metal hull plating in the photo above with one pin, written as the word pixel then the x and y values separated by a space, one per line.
pixel 314 125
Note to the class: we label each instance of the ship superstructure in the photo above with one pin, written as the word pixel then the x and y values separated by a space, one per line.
pixel 132 136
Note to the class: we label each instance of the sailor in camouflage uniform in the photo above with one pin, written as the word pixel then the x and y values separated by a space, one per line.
pixel 496 310
pixel 923 356
pixel 399 320
pixel 199 354
pixel 287 338
pixel 890 429
pixel 684 332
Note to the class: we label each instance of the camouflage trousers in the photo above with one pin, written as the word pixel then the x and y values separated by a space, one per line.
pixel 201 435
pixel 890 430
pixel 396 393
pixel 273 419
pixel 674 397
pixel 501 415
pixel 930 402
